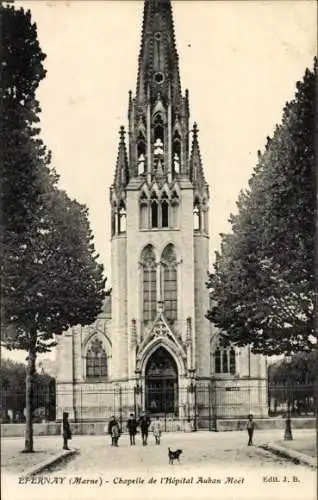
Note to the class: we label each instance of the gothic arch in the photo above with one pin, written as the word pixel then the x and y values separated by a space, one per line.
pixel 170 243
pixel 175 351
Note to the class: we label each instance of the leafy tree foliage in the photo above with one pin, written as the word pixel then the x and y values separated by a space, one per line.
pixel 51 279
pixel 301 370
pixel 263 283
pixel 13 387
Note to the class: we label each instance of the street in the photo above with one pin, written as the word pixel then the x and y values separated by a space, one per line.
pixel 213 465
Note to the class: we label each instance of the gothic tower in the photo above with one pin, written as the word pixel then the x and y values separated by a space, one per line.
pixel 153 335
pixel 159 215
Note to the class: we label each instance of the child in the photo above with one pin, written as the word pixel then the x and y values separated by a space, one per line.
pixel 250 429
pixel 114 431
pixel 156 429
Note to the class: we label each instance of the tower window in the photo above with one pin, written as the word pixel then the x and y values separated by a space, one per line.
pixel 154 212
pixel 174 209
pixel 158 77
pixel 96 360
pixel 122 218
pixel 113 219
pixel 143 211
pixel 169 284
pixel 176 153
pixel 196 218
pixel 149 284
pixel 165 213
pixel 141 152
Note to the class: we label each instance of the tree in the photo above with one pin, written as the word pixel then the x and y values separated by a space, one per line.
pixel 262 286
pixel 51 278
pixel 12 382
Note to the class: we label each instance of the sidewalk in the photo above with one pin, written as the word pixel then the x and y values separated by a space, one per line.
pixel 48 450
pixel 301 449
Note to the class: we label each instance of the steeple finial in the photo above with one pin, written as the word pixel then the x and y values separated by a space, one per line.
pixel 122 172
pixel 196 167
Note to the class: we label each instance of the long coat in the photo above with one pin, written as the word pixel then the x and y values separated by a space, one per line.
pixel 67 434
pixel 132 426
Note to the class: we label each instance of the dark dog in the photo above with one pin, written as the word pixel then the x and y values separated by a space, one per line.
pixel 174 455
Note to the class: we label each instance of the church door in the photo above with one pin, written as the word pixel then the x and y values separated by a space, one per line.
pixel 161 384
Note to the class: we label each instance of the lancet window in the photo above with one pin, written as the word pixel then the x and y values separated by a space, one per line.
pixel 176 153
pixel 164 211
pixel 141 154
pixel 143 204
pixel 149 284
pixel 96 360
pixel 154 211
pixel 122 217
pixel 159 211
pixel 169 282
pixel 225 360
pixel 196 215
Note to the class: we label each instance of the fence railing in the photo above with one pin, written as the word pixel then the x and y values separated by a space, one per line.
pixel 198 406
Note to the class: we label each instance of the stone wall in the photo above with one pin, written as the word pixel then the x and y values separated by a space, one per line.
pixel 98 428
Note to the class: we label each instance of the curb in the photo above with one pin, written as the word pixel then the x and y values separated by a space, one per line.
pixel 296 456
pixel 36 469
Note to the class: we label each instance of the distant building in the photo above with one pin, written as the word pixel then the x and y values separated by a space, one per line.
pixel 153 334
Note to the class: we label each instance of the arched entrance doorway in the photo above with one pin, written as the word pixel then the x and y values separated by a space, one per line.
pixel 161 377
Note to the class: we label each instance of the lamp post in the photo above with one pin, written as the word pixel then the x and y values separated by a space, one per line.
pixel 288 436
pixel 192 390
pixel 118 389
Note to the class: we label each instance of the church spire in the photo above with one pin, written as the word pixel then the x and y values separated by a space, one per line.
pixel 121 172
pixel 196 167
pixel 158 64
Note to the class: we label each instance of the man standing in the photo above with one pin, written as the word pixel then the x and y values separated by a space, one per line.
pixel 132 428
pixel 66 431
pixel 250 429
pixel 144 423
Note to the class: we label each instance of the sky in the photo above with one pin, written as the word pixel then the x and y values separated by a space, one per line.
pixel 239 60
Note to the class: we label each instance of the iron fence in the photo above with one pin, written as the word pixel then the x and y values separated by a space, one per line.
pixel 198 406
pixel 12 408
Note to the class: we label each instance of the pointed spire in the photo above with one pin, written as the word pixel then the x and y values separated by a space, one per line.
pixel 121 173
pixel 196 167
pixel 158 58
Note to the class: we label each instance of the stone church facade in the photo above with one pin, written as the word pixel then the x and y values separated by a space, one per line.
pixel 152 344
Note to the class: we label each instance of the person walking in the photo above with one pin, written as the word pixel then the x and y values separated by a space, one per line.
pixel 66 430
pixel 144 423
pixel 250 429
pixel 132 428
pixel 156 429
pixel 114 431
